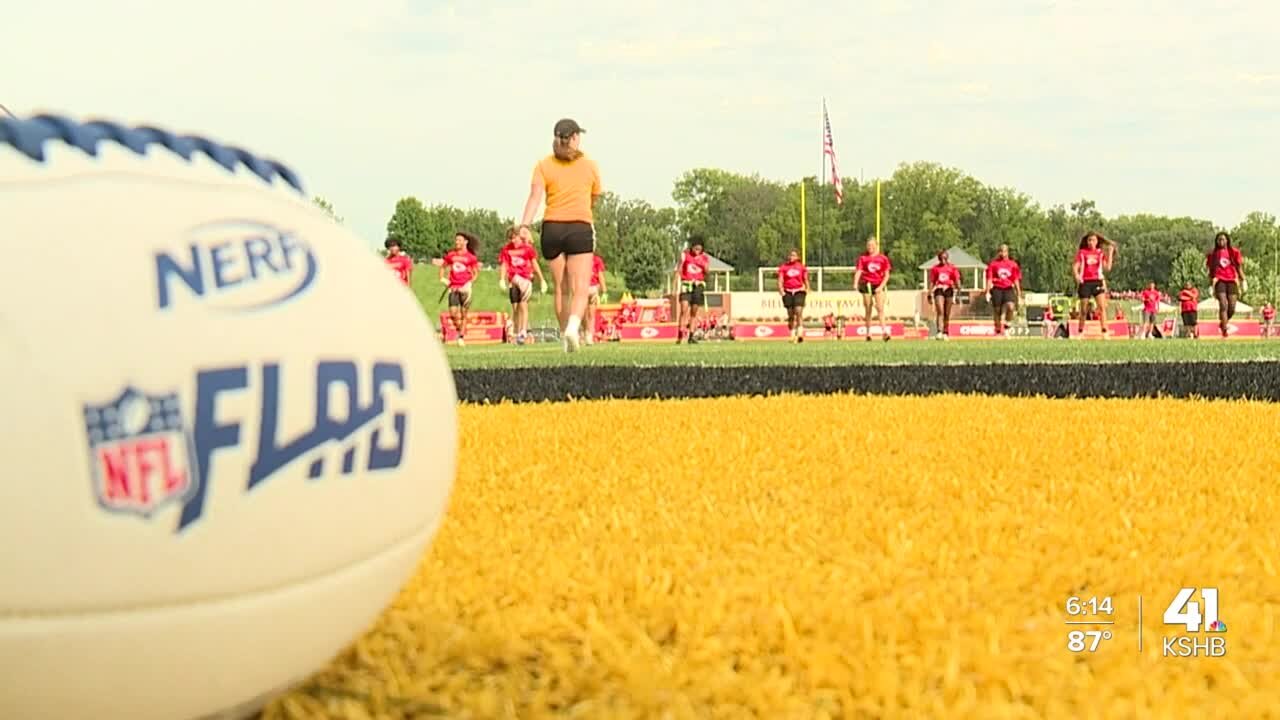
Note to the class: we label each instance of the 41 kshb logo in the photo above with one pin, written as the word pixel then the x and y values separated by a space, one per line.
pixel 147 454
pixel 1186 612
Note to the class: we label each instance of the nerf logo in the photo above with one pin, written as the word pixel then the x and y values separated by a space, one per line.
pixel 236 265
pixel 146 454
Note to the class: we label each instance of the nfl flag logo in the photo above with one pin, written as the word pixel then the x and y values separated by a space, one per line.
pixel 139 453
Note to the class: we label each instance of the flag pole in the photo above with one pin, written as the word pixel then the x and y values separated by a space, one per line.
pixel 822 133
pixel 803 234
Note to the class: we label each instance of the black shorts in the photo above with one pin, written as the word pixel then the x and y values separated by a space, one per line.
pixel 1148 317
pixel 515 295
pixel 944 292
pixel 1190 318
pixel 1089 289
pixel 457 298
pixel 1223 290
pixel 1003 296
pixel 567 238
pixel 793 299
pixel 867 288
pixel 693 293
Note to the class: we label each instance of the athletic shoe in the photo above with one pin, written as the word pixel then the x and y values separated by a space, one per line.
pixel 461 342
pixel 590 340
pixel 571 342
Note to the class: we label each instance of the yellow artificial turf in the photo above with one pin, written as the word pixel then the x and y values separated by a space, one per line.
pixel 831 557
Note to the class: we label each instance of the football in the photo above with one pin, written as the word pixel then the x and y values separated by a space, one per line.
pixel 230 434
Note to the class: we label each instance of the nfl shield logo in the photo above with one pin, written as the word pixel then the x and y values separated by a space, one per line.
pixel 139 453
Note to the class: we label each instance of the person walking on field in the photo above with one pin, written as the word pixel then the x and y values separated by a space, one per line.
pixel 943 280
pixel 570 183
pixel 517 264
pixel 1188 305
pixel 400 264
pixel 1150 306
pixel 691 278
pixel 1268 319
pixel 1004 289
pixel 1092 263
pixel 793 286
pixel 870 277
pixel 596 291
pixel 1226 277
pixel 457 272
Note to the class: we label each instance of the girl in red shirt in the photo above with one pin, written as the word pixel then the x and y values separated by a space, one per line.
pixel 1268 319
pixel 457 272
pixel 944 279
pixel 1188 304
pixel 1004 289
pixel 517 264
pixel 399 263
pixel 691 276
pixel 1226 277
pixel 1091 265
pixel 793 286
pixel 1150 306
pixel 870 278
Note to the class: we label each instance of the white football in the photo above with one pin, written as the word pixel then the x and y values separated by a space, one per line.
pixel 229 435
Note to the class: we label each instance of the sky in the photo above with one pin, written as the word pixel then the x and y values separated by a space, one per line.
pixel 1163 107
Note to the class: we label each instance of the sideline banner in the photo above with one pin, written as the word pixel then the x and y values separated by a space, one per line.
pixel 1117 329
pixel 642 333
pixel 858 331
pixel 1236 330
pixel 767 306
pixel 775 331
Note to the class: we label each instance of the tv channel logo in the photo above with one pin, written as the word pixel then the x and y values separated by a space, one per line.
pixel 1185 611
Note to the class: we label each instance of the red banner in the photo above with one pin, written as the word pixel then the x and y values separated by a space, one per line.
pixel 971 330
pixel 761 331
pixel 858 331
pixel 479 334
pixel 1116 328
pixel 641 333
pixel 483 326
pixel 1236 330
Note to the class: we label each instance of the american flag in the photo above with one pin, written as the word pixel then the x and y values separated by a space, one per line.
pixel 829 148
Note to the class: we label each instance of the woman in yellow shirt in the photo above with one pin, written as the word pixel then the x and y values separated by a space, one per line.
pixel 570 182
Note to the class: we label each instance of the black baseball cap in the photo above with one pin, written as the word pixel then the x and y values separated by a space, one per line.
pixel 566 128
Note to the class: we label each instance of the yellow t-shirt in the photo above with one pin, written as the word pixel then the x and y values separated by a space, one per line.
pixel 570 187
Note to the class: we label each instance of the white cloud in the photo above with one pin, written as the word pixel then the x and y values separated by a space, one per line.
pixel 453 101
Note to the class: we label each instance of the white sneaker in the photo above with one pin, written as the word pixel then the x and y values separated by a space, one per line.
pixel 461 342
pixel 590 339
pixel 571 341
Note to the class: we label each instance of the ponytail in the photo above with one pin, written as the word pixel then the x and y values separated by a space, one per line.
pixel 563 151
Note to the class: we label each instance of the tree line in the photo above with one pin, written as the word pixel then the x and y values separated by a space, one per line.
pixel 749 221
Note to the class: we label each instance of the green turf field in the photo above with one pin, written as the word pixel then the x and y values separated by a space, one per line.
pixel 487 296
pixel 728 353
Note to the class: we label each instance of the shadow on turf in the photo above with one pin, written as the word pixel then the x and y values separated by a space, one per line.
pixel 1235 380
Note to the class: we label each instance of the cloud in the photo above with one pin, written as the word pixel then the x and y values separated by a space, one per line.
pixel 453 101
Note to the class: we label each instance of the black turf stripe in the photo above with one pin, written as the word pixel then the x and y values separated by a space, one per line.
pixel 1237 380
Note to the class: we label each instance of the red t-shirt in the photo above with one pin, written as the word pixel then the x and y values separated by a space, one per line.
pixel 519 260
pixel 1268 312
pixel 597 269
pixel 792 276
pixel 944 276
pixel 1188 299
pixel 1048 313
pixel 1091 261
pixel 401 265
pixel 1150 300
pixel 463 267
pixel 1222 264
pixel 1003 274
pixel 874 268
pixel 693 268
